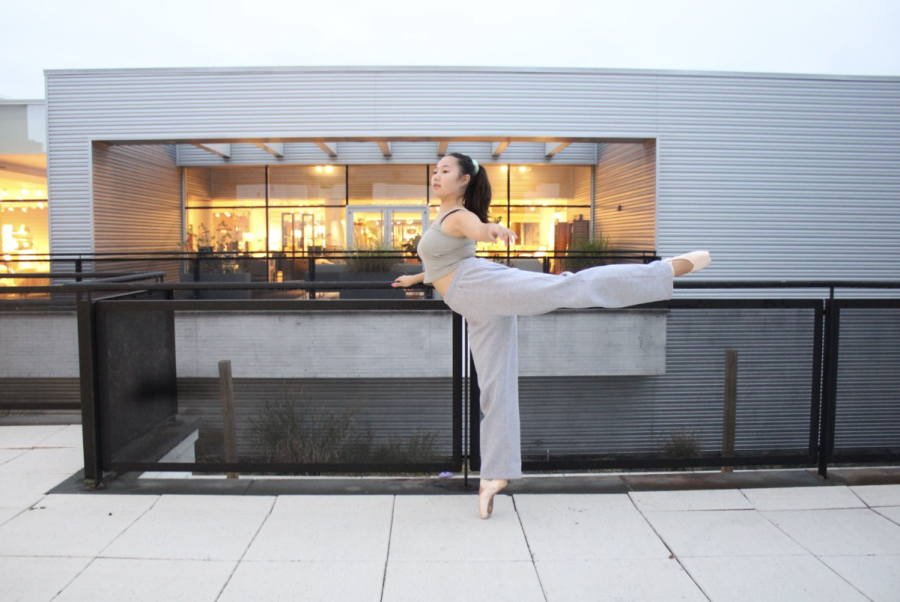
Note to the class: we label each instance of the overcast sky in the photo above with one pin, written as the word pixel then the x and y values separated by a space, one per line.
pixel 836 37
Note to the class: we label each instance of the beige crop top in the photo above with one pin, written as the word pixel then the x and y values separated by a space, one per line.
pixel 441 253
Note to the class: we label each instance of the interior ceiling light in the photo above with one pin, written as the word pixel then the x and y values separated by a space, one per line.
pixel 24 191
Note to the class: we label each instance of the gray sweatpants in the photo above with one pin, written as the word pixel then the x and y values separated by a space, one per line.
pixel 490 296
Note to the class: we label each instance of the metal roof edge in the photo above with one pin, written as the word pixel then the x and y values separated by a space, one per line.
pixel 23 101
pixel 471 69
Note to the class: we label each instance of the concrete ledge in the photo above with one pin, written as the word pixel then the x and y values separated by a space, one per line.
pixel 458 485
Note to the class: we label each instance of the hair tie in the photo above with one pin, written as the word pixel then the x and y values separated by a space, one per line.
pixel 476 165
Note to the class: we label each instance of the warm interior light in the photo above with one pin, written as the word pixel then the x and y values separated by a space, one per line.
pixel 522 168
pixel 227 214
pixel 319 168
pixel 329 168
pixel 40 205
pixel 39 192
pixel 504 168
pixel 24 192
pixel 8 242
pixel 218 215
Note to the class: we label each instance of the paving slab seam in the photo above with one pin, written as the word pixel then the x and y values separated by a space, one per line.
pixel 387 556
pixel 252 539
pixel 671 552
pixel 875 510
pixel 819 560
pixel 528 545
pixel 72 580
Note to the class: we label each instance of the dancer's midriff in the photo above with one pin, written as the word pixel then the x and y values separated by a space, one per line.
pixel 443 283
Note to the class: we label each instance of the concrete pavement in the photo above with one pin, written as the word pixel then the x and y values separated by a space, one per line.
pixel 146 539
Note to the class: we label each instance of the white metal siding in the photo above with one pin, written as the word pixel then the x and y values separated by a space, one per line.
pixel 625 195
pixel 137 204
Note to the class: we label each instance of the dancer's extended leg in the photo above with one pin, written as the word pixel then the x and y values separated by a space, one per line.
pixel 484 288
pixel 495 351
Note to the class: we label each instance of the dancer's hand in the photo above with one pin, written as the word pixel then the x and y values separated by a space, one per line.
pixel 405 281
pixel 496 231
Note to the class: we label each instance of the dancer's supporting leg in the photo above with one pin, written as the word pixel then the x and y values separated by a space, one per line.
pixel 495 351
pixel 481 287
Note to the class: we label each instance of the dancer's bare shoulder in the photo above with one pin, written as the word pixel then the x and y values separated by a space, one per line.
pixel 462 224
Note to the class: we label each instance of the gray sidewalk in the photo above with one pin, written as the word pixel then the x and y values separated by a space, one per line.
pixel 832 542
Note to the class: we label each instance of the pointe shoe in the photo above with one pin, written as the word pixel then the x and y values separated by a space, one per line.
pixel 698 259
pixel 486 491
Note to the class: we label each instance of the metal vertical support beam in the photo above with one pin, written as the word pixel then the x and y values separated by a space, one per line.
pixel 311 293
pixel 268 243
pixel 816 401
pixel 458 359
pixel 474 417
pixel 90 403
pixel 829 386
pixel 729 417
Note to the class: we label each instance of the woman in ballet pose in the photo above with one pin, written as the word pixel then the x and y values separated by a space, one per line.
pixel 490 296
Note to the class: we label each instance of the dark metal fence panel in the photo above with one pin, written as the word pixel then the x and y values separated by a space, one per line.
pixel 136 379
pixel 641 414
pixel 867 412
pixel 389 407
pixel 350 420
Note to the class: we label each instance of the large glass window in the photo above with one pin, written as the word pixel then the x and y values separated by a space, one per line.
pixel 544 203
pixel 308 185
pixel 302 229
pixel 308 208
pixel 388 184
pixel 226 209
pixel 24 225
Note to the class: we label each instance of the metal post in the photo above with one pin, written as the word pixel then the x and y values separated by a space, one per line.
pixel 90 402
pixel 474 417
pixel 226 387
pixel 816 401
pixel 458 359
pixel 730 413
pixel 829 386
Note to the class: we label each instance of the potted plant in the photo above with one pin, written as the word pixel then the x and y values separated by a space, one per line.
pixel 587 253
pixel 223 268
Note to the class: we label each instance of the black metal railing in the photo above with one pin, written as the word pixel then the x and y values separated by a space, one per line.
pixel 833 433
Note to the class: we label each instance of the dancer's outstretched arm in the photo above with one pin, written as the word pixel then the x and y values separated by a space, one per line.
pixel 466 223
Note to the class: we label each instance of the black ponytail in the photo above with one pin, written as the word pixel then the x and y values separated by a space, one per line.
pixel 477 197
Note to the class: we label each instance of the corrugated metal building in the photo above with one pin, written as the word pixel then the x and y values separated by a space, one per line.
pixel 779 176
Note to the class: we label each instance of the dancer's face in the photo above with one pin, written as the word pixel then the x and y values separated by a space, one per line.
pixel 447 183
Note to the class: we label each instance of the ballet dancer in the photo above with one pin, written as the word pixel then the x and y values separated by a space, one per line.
pixel 490 296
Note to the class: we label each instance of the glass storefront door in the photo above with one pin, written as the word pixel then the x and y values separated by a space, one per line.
pixel 384 226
